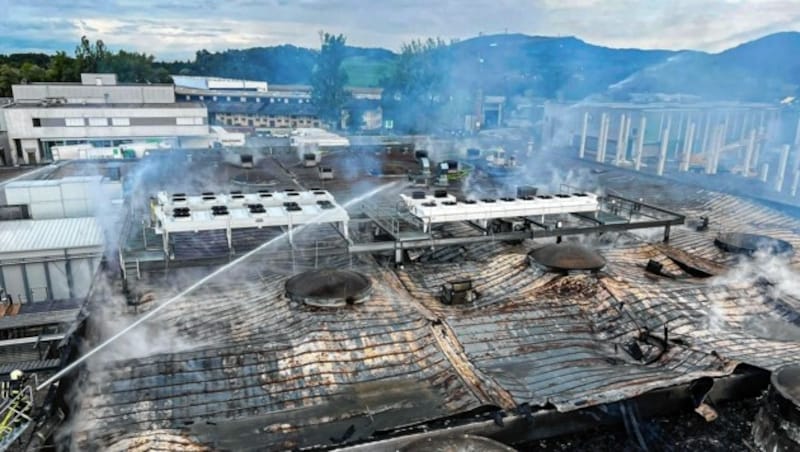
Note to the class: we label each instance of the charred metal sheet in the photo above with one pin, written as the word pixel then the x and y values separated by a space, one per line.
pixel 743 243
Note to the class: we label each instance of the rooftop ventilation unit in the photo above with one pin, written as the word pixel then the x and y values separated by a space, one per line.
pixel 181 212
pixel 292 207
pixel 325 173
pixel 219 210
pixel 742 243
pixel 329 288
pixel 566 257
pixel 440 193
pixel 256 208
pixel 458 292
pixel 325 204
pixel 418 195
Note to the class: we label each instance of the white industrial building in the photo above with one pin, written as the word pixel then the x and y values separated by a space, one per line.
pixel 69 197
pixel 98 111
pixel 49 259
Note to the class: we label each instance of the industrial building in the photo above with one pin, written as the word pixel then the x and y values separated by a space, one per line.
pixel 261 107
pixel 98 111
pixel 364 313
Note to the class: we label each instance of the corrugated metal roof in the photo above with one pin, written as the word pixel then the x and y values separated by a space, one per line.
pixel 39 235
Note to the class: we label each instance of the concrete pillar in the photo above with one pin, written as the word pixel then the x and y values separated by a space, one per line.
pixel 720 144
pixel 797 134
pixel 687 148
pixel 711 152
pixel 626 138
pixel 620 137
pixel 680 128
pixel 662 156
pixel 584 131
pixel 661 124
pixel 795 183
pixel 757 151
pixel 782 167
pixel 640 143
pixel 706 132
pixel 764 172
pixel 748 156
pixel 601 147
pixel 745 124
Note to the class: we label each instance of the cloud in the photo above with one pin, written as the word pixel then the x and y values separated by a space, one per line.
pixel 177 28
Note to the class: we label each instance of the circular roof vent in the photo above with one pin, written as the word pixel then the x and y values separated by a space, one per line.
pixel 329 288
pixel 742 243
pixel 566 257
pixel 461 443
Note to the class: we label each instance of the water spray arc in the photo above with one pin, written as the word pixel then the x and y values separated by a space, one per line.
pixel 190 289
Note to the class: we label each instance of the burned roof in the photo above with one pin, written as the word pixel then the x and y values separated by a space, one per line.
pixel 246 365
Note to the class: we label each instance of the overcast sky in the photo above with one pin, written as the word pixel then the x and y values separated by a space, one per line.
pixel 173 29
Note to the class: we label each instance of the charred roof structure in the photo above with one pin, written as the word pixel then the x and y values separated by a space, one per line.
pixel 274 349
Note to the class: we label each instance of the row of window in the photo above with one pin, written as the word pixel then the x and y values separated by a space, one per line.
pixel 272 100
pixel 119 122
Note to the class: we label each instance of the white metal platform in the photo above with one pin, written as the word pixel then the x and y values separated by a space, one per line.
pixel 446 209
pixel 212 211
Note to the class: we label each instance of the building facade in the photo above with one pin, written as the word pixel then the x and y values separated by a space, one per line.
pixel 97 111
pixel 272 108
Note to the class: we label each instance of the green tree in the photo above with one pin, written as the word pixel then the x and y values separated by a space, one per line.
pixel 91 57
pixel 30 72
pixel 329 78
pixel 9 75
pixel 417 91
pixel 62 68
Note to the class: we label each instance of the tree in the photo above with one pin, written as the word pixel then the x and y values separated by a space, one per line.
pixel 91 57
pixel 9 75
pixel 417 90
pixel 62 68
pixel 328 78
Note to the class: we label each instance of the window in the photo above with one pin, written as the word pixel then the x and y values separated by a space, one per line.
pixel 202 97
pixel 188 97
pixel 243 99
pixel 258 100
pixel 37 122
pixel 228 98
pixel 74 122
pixel 120 121
pixel 286 101
pixel 189 121
pixel 98 122
pixel 215 98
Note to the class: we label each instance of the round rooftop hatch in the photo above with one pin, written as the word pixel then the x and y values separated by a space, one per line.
pixel 329 288
pixel 567 256
pixel 743 243
pixel 460 443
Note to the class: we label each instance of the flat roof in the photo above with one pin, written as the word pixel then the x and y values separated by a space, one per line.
pixel 57 234
pixel 105 105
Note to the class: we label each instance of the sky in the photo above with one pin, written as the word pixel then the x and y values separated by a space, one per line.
pixel 175 29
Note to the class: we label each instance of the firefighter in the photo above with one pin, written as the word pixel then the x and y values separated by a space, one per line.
pixel 20 403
